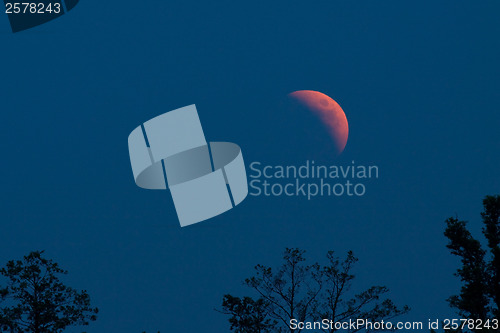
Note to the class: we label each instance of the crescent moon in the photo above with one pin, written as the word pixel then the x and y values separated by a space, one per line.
pixel 329 112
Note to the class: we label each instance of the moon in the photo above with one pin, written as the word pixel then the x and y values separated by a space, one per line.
pixel 329 112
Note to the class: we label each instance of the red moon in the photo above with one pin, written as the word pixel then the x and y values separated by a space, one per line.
pixel 329 112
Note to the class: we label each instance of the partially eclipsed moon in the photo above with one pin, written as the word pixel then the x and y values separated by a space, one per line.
pixel 329 112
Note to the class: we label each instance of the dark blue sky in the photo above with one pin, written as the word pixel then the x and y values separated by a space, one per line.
pixel 419 83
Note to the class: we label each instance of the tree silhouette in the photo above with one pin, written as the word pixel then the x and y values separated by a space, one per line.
pixel 36 301
pixel 479 296
pixel 301 292
pixel 248 315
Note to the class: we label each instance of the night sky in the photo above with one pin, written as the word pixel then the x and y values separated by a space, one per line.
pixel 419 83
